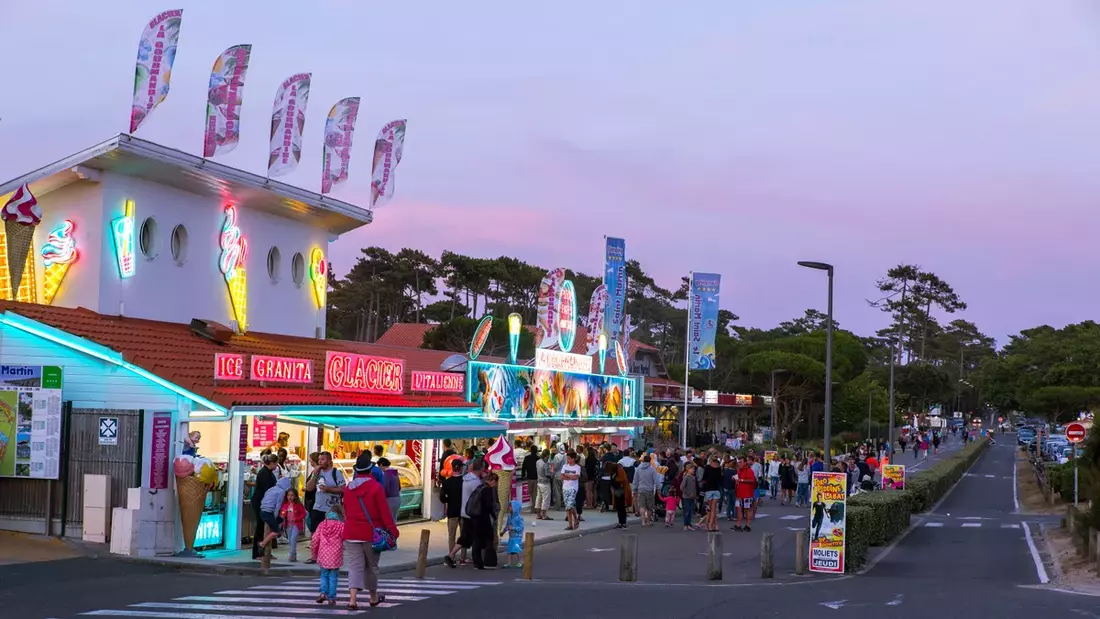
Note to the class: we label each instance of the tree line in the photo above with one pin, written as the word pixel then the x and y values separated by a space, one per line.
pixel 936 362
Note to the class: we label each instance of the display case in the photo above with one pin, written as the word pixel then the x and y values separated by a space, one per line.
pixel 412 485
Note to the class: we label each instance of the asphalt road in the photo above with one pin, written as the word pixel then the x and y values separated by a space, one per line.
pixel 965 559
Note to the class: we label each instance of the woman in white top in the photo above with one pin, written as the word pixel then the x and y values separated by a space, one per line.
pixel 570 484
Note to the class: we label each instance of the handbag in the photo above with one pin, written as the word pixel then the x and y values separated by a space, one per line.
pixel 383 539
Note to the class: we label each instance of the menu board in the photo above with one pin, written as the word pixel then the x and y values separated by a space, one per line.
pixel 30 421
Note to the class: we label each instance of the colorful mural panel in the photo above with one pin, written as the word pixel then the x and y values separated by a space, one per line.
pixel 514 392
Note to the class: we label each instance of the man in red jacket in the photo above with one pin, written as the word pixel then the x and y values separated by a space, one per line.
pixel 365 509
pixel 745 491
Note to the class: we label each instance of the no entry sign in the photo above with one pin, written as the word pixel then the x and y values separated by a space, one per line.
pixel 1075 433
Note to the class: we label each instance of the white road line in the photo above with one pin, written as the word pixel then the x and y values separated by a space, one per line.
pixel 972 524
pixel 933 524
pixel 1015 499
pixel 759 516
pixel 340 597
pixel 970 517
pixel 990 476
pixel 320 610
pixel 167 615
pixel 406 581
pixel 1010 526
pixel 305 593
pixel 313 586
pixel 796 528
pixel 1040 569
pixel 793 517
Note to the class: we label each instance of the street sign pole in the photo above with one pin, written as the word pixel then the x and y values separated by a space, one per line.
pixel 1075 434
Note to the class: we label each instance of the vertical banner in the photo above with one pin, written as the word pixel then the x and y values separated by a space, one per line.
pixel 387 154
pixel 160 454
pixel 597 324
pixel 893 476
pixel 339 130
pixel 614 278
pixel 288 120
pixel 547 327
pixel 704 320
pixel 153 74
pixel 829 493
pixel 223 101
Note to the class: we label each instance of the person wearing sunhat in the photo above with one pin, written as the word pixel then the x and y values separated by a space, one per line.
pixel 365 508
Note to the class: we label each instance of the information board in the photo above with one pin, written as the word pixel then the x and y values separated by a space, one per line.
pixel 30 421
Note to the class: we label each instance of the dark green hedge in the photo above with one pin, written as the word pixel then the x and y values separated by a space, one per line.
pixel 876 518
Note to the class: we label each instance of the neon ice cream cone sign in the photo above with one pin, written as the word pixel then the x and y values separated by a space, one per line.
pixel 318 276
pixel 58 254
pixel 122 230
pixel 231 262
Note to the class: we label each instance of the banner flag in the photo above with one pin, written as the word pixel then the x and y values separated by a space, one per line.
pixel 339 131
pixel 388 148
pixel 288 120
pixel 223 101
pixel 614 278
pixel 156 54
pixel 704 320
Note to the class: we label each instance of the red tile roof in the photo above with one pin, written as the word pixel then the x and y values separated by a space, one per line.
pixel 405 334
pixel 173 352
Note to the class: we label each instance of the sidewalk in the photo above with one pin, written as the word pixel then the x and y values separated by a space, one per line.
pixel 404 558
pixel 16 548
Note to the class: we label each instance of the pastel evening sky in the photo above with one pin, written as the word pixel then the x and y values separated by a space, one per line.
pixel 731 136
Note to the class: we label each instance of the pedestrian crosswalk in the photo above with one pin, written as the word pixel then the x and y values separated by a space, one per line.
pixel 970 524
pixel 293 599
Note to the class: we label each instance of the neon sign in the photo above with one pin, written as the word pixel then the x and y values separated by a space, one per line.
pixel 567 315
pixel 231 262
pixel 318 276
pixel 558 361
pixel 281 369
pixel 363 374
pixel 123 232
pixel 481 335
pixel 228 366
pixel 438 382
pixel 58 254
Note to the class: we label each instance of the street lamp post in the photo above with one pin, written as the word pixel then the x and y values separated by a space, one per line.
pixel 775 434
pixel 828 268
pixel 893 354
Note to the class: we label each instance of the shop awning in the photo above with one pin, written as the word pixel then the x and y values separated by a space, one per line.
pixel 370 428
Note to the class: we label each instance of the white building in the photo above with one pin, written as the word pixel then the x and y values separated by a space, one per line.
pixel 172 270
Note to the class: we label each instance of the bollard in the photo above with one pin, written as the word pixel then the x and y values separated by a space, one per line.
pixel 800 548
pixel 1071 524
pixel 1092 543
pixel 714 556
pixel 265 561
pixel 422 553
pixel 628 558
pixel 767 565
pixel 1096 541
pixel 528 555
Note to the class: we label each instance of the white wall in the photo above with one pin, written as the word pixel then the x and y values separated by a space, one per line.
pixel 81 202
pixel 162 289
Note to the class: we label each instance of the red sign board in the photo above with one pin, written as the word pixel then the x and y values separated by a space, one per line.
pixel 228 366
pixel 438 382
pixel 264 431
pixel 160 456
pixel 1075 433
pixel 364 374
pixel 281 369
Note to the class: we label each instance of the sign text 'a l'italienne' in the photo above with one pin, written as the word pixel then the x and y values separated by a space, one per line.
pixel 546 359
pixel 363 373
pixel 281 369
pixel 439 382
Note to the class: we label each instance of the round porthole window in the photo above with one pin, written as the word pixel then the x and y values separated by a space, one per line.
pixel 179 244
pixel 147 238
pixel 298 269
pixel 274 264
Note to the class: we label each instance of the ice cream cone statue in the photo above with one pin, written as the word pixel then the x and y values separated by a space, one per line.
pixel 58 254
pixel 21 215
pixel 195 476
pixel 502 459
pixel 232 261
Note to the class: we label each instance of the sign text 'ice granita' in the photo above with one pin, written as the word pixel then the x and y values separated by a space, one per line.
pixel 440 382
pixel 281 369
pixel 363 373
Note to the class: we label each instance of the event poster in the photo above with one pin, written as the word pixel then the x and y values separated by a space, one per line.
pixel 893 476
pixel 769 455
pixel 223 101
pixel 704 319
pixel 388 148
pixel 513 392
pixel 827 520
pixel 30 421
pixel 155 56
pixel 339 131
pixel 288 120
pixel 614 278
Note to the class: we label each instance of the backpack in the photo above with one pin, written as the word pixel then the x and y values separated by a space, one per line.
pixel 473 504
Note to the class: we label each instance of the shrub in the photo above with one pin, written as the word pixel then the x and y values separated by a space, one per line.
pixel 858 525
pixel 889 511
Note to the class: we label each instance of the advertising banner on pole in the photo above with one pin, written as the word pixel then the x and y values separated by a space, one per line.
pixel 893 476
pixel 288 120
pixel 153 74
pixel 388 148
pixel 704 320
pixel 829 493
pixel 30 421
pixel 614 278
pixel 339 131
pixel 223 101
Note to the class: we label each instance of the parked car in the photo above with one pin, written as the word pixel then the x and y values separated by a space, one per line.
pixel 1025 435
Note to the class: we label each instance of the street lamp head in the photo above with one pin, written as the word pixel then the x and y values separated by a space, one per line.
pixel 820 266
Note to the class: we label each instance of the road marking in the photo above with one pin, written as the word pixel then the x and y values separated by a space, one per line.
pixel 796 528
pixel 971 524
pixel 420 585
pixel 837 605
pixel 600 549
pixel 404 581
pixel 897 600
pixel 340 596
pixel 792 517
pixel 320 610
pixel 759 516
pixel 166 615
pixel 933 524
pixel 1010 526
pixel 313 593
pixel 990 476
pixel 1040 569
pixel 970 517
pixel 1015 499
